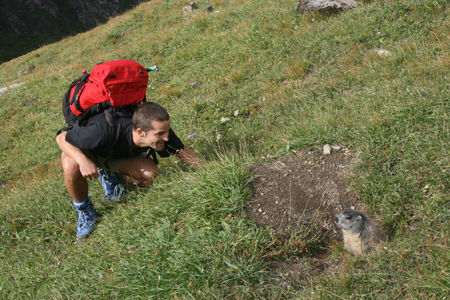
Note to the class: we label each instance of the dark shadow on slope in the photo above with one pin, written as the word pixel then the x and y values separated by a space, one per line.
pixel 28 25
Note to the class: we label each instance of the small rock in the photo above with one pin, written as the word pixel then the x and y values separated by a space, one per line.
pixel 383 52
pixel 324 6
pixel 187 10
pixel 209 9
pixel 193 5
pixel 326 149
pixel 26 71
pixel 280 165
pixel 236 113
pixel 218 136
pixel 196 84
pixel 224 119
pixel 336 147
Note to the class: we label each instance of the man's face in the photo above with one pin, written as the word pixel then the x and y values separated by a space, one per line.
pixel 156 137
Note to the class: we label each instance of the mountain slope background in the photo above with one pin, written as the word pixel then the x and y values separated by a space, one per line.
pixel 298 82
pixel 27 25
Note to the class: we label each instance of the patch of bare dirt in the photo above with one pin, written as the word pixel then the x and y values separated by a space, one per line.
pixel 298 197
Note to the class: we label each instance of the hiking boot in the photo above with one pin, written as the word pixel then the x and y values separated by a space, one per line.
pixel 86 219
pixel 113 185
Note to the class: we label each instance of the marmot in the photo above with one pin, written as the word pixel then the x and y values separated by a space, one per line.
pixel 360 236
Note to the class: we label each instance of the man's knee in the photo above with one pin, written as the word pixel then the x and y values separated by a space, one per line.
pixel 69 166
pixel 150 173
pixel 147 173
pixel 140 170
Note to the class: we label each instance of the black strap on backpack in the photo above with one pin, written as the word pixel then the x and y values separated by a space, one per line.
pixel 152 152
pixel 70 118
pixel 78 90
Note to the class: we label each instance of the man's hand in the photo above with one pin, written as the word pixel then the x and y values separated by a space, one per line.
pixel 188 157
pixel 87 168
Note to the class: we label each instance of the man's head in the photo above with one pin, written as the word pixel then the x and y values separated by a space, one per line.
pixel 151 124
pixel 148 112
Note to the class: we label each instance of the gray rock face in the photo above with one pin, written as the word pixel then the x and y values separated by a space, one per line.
pixel 27 22
pixel 52 16
pixel 324 5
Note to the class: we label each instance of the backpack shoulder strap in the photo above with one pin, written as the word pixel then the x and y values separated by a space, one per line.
pixel 152 152
pixel 78 90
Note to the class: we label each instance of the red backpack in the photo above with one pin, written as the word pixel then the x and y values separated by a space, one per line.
pixel 111 86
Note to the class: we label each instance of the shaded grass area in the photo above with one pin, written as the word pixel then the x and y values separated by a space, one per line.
pixel 296 83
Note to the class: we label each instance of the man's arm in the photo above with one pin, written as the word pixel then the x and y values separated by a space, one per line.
pixel 88 168
pixel 188 157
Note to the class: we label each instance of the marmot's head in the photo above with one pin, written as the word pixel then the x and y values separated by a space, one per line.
pixel 352 221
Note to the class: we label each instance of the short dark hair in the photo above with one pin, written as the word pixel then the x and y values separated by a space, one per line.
pixel 148 112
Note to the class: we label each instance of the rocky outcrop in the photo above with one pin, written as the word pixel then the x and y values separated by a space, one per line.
pixel 43 21
pixel 324 5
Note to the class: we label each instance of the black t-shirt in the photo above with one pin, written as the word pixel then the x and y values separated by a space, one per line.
pixel 115 142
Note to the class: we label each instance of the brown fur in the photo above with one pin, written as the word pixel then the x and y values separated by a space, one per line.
pixel 360 236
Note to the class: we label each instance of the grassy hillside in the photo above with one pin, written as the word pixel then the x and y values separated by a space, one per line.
pixel 297 81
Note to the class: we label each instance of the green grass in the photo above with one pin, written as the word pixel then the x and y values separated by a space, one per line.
pixel 299 84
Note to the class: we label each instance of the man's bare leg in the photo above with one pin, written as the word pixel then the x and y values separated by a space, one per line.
pixel 77 186
pixel 139 170
pixel 75 183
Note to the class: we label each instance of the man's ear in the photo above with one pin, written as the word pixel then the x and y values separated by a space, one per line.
pixel 140 132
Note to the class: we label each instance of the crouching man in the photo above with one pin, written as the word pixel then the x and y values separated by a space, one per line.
pixel 123 149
